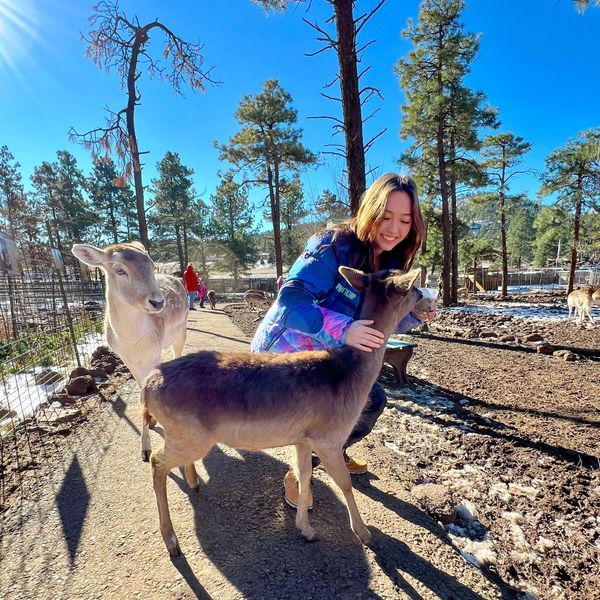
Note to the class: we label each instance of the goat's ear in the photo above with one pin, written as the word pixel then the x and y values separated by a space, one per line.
pixel 405 281
pixel 90 255
pixel 357 279
pixel 138 245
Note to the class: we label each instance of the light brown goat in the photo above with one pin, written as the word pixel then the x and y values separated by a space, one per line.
pixel 311 400
pixel 145 312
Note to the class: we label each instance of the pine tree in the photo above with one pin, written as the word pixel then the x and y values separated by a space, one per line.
pixel 502 153
pixel 13 201
pixel 60 188
pixel 267 147
pixel 572 175
pixel 231 225
pixel 174 210
pixel 112 203
pixel 442 116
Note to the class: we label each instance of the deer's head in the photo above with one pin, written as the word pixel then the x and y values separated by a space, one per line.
pixel 130 273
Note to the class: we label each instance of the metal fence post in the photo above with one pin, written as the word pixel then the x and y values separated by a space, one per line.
pixel 69 319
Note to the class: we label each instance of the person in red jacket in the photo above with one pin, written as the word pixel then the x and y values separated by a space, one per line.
pixel 190 279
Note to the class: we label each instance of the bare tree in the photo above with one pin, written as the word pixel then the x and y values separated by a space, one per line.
pixel 353 96
pixel 116 42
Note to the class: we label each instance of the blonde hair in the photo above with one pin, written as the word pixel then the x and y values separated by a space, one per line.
pixel 371 211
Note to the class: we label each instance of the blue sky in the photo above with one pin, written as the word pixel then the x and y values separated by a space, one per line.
pixel 539 64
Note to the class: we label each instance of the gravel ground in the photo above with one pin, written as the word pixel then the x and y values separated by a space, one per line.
pixel 483 483
pixel 498 442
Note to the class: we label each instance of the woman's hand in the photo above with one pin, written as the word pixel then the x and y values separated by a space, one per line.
pixel 426 316
pixel 363 337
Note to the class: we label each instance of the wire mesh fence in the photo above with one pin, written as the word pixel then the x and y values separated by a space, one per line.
pixel 50 323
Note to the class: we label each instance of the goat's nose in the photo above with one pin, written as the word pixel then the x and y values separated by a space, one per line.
pixel 158 304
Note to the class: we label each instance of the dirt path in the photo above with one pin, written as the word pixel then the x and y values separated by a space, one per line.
pixel 90 528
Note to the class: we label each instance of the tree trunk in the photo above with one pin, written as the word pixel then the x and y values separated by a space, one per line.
pixel 180 255
pixel 503 248
pixel 186 254
pixel 446 233
pixel 141 37
pixel 275 218
pixel 346 51
pixel 454 237
pixel 576 226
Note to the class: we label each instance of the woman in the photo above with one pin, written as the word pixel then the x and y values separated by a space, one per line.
pixel 316 308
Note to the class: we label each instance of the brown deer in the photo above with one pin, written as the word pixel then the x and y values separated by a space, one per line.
pixel 311 400
pixel 212 298
pixel 145 312
pixel 257 299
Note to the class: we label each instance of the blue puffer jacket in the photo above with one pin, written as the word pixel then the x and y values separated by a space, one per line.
pixel 316 305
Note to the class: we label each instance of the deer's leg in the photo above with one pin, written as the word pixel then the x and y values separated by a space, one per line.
pixel 160 470
pixel 303 470
pixel 333 461
pixel 191 476
pixel 178 344
pixel 147 421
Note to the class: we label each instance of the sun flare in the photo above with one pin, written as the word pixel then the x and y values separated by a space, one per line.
pixel 18 30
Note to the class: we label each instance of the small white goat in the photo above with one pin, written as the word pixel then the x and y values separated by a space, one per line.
pixel 254 401
pixel 145 312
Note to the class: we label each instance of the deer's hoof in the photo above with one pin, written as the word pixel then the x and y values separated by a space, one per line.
pixel 310 535
pixel 146 455
pixel 365 537
pixel 173 546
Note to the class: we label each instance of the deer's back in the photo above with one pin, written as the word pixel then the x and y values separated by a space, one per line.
pixel 234 391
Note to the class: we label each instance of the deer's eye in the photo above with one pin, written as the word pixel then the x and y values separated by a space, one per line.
pixel 119 270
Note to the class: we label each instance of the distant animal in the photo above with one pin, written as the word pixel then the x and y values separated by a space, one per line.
pixel 146 312
pixel 212 298
pixel 257 299
pixel 310 399
pixel 581 301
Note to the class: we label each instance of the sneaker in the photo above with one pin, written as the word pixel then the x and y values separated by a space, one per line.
pixel 292 492
pixel 192 308
pixel 355 466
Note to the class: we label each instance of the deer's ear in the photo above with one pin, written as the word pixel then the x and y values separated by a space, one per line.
pixel 90 255
pixel 137 245
pixel 357 279
pixel 404 281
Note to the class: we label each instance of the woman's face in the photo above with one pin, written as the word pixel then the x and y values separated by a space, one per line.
pixel 396 224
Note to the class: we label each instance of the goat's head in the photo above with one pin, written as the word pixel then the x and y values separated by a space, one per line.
pixel 130 273
pixel 596 296
pixel 389 294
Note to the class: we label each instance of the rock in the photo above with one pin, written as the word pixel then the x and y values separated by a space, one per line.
pixel 108 362
pixel 534 337
pixel 508 338
pixel 61 397
pixel 46 377
pixel 545 348
pixel 6 413
pixel 436 500
pixel 81 385
pixel 78 372
pixel 98 372
pixel 488 334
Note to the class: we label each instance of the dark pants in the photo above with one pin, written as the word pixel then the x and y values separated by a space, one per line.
pixel 374 407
